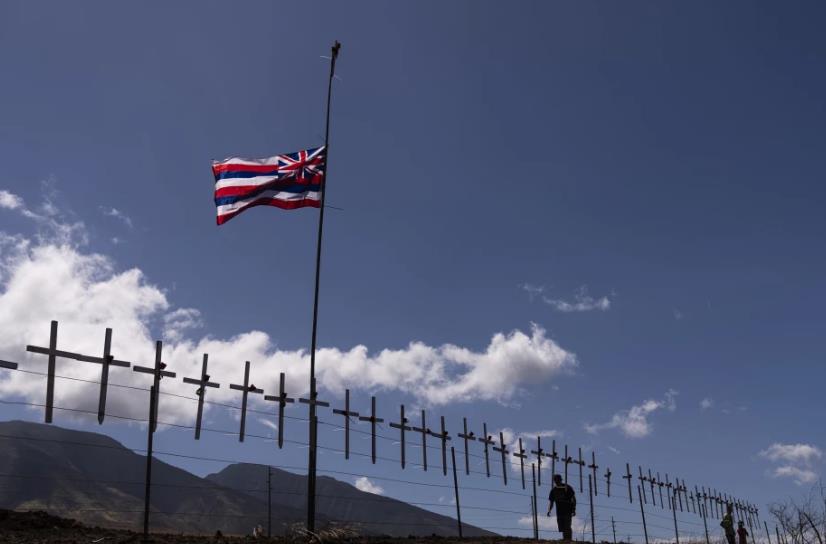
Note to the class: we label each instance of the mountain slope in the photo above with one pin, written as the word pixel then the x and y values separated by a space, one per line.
pixel 343 503
pixel 95 479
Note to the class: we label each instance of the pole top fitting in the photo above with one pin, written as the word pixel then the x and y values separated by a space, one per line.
pixel 336 47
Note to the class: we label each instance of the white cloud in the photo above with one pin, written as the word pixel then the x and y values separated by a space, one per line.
pixel 364 484
pixel 678 315
pixel 10 201
pixel 793 453
pixel 117 214
pixel 634 422
pixel 799 475
pixel 614 450
pixel 582 302
pixel 793 461
pixel 532 290
pixel 706 403
pixel 42 280
pixel 178 322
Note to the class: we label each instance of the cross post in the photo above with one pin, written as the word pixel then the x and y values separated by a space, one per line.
pixel 282 399
pixel 539 452
pixel 202 384
pixel 466 436
pixel 487 441
pixel 347 415
pixel 503 450
pixel 402 426
pixel 423 430
pixel 373 420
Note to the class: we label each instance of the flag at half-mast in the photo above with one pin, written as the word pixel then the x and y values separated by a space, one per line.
pixel 289 181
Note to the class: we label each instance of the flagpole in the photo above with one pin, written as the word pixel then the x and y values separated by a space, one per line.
pixel 311 468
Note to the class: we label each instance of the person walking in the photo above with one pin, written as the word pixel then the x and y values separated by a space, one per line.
pixel 728 524
pixel 742 533
pixel 565 499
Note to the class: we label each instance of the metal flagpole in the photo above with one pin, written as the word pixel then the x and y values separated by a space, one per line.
pixel 311 468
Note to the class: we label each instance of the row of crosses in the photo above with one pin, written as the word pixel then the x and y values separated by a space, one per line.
pixel 679 496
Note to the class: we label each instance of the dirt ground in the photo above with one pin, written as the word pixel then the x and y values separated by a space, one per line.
pixel 43 528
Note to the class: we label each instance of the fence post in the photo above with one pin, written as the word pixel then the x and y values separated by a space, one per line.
pixel 614 529
pixel 150 431
pixel 591 504
pixel 533 510
pixel 674 511
pixel 642 512
pixel 705 521
pixel 456 489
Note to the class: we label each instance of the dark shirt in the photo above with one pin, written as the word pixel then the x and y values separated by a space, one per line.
pixel 564 498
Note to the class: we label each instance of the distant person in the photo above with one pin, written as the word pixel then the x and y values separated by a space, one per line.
pixel 258 531
pixel 565 499
pixel 742 534
pixel 728 524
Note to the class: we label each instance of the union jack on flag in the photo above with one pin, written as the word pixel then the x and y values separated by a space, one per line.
pixel 290 181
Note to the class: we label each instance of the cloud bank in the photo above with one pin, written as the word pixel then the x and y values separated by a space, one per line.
pixel 794 461
pixel 53 277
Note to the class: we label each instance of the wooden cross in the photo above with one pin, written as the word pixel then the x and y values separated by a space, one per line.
pixel 653 482
pixel 628 477
pixel 8 364
pixel 53 353
pixel 660 484
pixel 402 426
pixel 642 485
pixel 568 460
pixel 444 437
pixel 487 440
pixel 347 413
pixel 554 458
pixel 680 490
pixel 607 481
pixel 521 455
pixel 504 451
pixel 691 498
pixel 670 489
pixel 245 389
pixel 373 420
pixel 202 384
pixel 282 399
pixel 581 464
pixel 424 430
pixel 593 466
pixel 539 452
pixel 466 436
pixel 158 373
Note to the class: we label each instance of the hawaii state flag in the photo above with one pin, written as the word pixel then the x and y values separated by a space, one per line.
pixel 293 180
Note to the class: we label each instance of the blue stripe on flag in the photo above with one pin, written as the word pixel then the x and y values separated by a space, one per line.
pixel 295 189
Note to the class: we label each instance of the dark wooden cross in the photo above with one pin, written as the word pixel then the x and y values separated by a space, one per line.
pixel 660 485
pixel 653 483
pixel 444 437
pixel 53 353
pixel 158 373
pixel 593 466
pixel 466 436
pixel 608 474
pixel 691 498
pixel 423 430
pixel 373 420
pixel 669 487
pixel 487 440
pixel 402 426
pixel 282 399
pixel 521 456
pixel 581 464
pixel 628 477
pixel 554 458
pixel 503 450
pixel 539 452
pixel 347 413
pixel 568 460
pixel 202 384
pixel 642 486
pixel 8 364
pixel 246 388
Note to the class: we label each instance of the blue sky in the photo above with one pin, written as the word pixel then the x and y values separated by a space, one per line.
pixel 659 163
